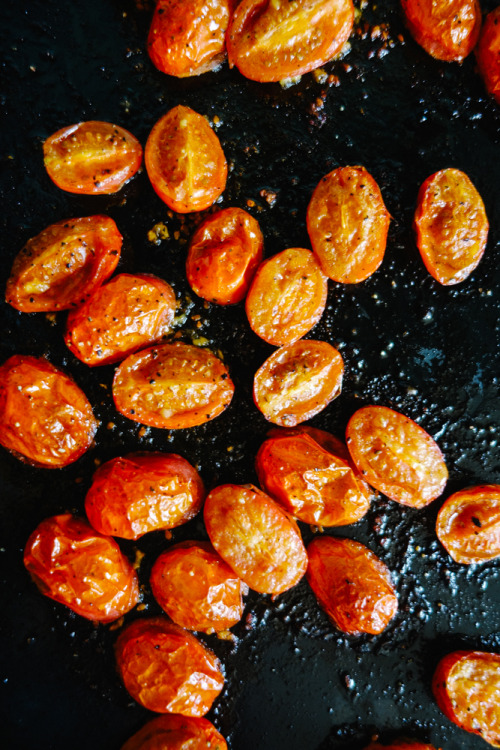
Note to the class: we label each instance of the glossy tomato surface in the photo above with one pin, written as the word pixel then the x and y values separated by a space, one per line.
pixel 468 524
pixel 174 732
pixel 488 53
pixel 446 29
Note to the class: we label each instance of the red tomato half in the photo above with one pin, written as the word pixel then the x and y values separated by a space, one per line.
pixel 174 732
pixel 468 524
pixel 74 565
pixel 92 157
pixel 63 265
pixel 446 29
pixel 400 744
pixel 488 53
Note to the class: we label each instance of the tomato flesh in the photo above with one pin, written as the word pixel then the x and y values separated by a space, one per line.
pixel 446 29
pixel 488 53
pixel 400 744
pixel 468 524
pixel 174 732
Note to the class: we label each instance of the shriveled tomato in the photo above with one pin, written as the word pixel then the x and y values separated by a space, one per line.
pixel 468 524
pixel 174 732
pixel 298 381
pixel 466 686
pixel 400 744
pixel 396 456
pixel 143 492
pixel 287 296
pixel 488 53
pixel 271 40
pixel 196 588
pixel 172 386
pixel 64 264
pixel 166 669
pixel 347 222
pixel 92 157
pixel 45 419
pixel 256 538
pixel 185 161
pixel 351 584
pixel 446 29
pixel 451 226
pixel 223 256
pixel 74 565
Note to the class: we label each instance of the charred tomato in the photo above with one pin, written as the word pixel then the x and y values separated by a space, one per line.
pixel 174 732
pixel 488 53
pixel 446 29
pixel 468 524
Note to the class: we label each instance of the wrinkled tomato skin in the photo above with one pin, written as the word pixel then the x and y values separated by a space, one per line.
pixel 298 381
pixel 223 256
pixel 166 669
pixel 488 53
pixel 196 588
pixel 347 222
pixel 92 158
pixel 287 297
pixel 446 29
pixel 64 264
pixel 271 40
pixel 121 317
pixel 142 492
pixel 466 686
pixel 74 565
pixel 185 161
pixel 255 537
pixel 396 456
pixel 451 226
pixel 45 419
pixel 172 386
pixel 174 732
pixel 351 584
pixel 468 524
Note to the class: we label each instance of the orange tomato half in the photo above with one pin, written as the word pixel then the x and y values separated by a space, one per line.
pixel 174 732
pixel 446 29
pixel 488 53
pixel 400 744
pixel 468 524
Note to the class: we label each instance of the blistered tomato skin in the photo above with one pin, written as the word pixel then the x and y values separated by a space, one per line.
pixel 223 256
pixel 466 686
pixel 166 669
pixel 74 565
pixel 396 456
pixel 174 732
pixel 92 158
pixel 142 492
pixel 468 524
pixel 271 40
pixel 446 29
pixel 64 264
pixel 488 53
pixel 347 222
pixel 45 419
pixel 351 584
pixel 255 537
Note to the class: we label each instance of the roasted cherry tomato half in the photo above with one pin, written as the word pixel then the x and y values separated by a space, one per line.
pixel 400 744
pixel 298 381
pixel 396 456
pixel 64 264
pixel 468 524
pixel 256 538
pixel 143 492
pixel 451 226
pixel 223 256
pixel 174 732
pixel 287 296
pixel 185 161
pixel 351 584
pixel 466 686
pixel 488 53
pixel 347 222
pixel 92 157
pixel 446 29
pixel 45 419
pixel 196 588
pixel 271 40
pixel 166 669
pixel 74 565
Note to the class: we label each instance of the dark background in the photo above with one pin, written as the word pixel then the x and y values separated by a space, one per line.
pixel 408 343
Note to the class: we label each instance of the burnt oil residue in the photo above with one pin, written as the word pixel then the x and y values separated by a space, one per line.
pixel 428 351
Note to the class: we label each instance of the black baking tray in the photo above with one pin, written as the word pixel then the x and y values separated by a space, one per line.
pixel 293 682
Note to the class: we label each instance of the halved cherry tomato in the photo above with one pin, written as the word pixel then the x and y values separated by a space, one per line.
pixel 185 161
pixel 174 732
pixel 127 314
pixel 223 256
pixel 396 456
pixel 488 53
pixel 451 226
pixel 92 157
pixel 256 538
pixel 466 686
pixel 298 381
pixel 468 524
pixel 143 492
pixel 348 223
pixel 45 419
pixel 64 264
pixel 400 744
pixel 196 588
pixel 172 386
pixel 446 29
pixel 271 40
pixel 351 584
pixel 166 669
pixel 287 296
pixel 74 565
